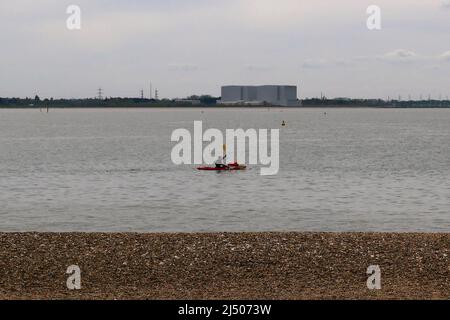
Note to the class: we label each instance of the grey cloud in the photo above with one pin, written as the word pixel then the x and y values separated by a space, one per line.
pixel 400 56
pixel 445 56
pixel 397 56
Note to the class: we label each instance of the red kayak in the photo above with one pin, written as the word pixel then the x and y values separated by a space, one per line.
pixel 231 167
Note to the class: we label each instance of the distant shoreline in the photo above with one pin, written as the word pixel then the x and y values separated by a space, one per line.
pixel 226 107
pixel 207 101
pixel 293 266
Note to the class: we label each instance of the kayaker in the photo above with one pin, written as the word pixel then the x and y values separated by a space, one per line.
pixel 221 162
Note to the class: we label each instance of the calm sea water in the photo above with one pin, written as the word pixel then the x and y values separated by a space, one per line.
pixel 110 170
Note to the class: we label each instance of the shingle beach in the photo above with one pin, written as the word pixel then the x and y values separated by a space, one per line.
pixel 224 265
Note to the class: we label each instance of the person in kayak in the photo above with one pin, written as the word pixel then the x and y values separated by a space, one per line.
pixel 221 162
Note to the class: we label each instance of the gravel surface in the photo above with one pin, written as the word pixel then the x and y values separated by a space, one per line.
pixel 224 266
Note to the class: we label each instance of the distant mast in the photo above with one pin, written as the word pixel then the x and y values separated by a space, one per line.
pixel 100 94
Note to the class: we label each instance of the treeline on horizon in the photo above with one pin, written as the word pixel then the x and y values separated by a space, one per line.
pixel 110 102
pixel 205 101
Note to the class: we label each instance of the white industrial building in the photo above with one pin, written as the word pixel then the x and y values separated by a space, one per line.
pixel 285 96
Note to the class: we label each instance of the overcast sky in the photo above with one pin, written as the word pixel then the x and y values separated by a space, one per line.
pixel 194 46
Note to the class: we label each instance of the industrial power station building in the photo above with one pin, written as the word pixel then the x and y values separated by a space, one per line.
pixel 285 96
